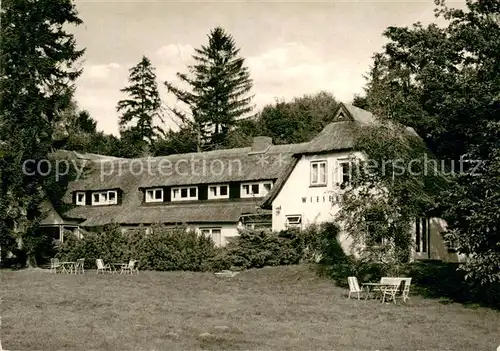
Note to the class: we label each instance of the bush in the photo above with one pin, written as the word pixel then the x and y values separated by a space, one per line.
pixel 167 249
pixel 162 249
pixel 322 244
pixel 430 279
pixel 259 248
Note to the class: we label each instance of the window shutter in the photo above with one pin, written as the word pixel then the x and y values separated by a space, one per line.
pixel 74 198
pixel 234 191
pixel 119 196
pixel 88 198
pixel 203 192
pixel 166 194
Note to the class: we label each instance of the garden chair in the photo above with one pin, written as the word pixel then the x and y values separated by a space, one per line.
pixel 130 268
pixel 354 287
pixel 101 267
pixel 79 266
pixel 54 265
pixel 389 292
pixel 405 293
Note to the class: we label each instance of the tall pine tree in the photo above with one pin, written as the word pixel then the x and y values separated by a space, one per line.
pixel 36 79
pixel 219 89
pixel 141 108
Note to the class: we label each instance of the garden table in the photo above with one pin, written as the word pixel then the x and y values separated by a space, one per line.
pixel 67 267
pixel 370 287
pixel 117 266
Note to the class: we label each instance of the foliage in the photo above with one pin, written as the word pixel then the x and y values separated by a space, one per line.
pixel 37 60
pixel 141 108
pixel 322 243
pixel 298 120
pixel 162 249
pixel 167 249
pixel 443 82
pixel 429 279
pixel 219 84
pixel 259 248
pixel 396 184
pixel 176 142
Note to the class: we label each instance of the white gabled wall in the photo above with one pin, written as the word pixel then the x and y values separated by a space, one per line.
pixel 315 204
pixel 320 204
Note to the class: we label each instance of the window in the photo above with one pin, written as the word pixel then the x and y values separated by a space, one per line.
pixel 256 189
pixel 214 233
pixel 294 221
pixel 218 192
pixel 185 193
pixel 267 187
pixel 422 234
pixel 318 173
pixel 80 198
pixel 105 198
pixel 345 170
pixel 154 195
pixel 376 226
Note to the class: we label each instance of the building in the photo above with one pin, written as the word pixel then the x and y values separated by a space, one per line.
pixel 217 192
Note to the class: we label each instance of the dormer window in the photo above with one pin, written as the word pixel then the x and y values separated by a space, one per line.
pixel 185 193
pixel 108 197
pixel 255 189
pixel 218 191
pixel 154 195
pixel 80 198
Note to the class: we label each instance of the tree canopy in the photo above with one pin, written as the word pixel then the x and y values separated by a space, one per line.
pixel 37 73
pixel 444 81
pixel 219 86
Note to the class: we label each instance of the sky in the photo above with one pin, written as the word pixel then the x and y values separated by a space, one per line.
pixel 290 48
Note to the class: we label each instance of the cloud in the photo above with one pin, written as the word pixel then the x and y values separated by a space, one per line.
pixel 287 71
pixel 294 70
pixel 175 53
pixel 101 71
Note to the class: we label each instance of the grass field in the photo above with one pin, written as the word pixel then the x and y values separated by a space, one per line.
pixel 282 308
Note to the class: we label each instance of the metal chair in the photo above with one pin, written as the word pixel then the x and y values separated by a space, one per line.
pixel 79 266
pixel 54 265
pixel 354 287
pixel 130 268
pixel 101 267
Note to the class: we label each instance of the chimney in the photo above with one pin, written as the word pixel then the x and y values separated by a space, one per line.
pixel 261 144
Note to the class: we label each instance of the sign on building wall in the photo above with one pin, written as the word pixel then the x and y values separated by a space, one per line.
pixel 327 197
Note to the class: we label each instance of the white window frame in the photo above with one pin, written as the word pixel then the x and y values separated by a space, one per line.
pixel 340 170
pixel 217 191
pixel 150 195
pixel 294 221
pixel 316 181
pixel 262 190
pixel 179 189
pixel 104 197
pixel 209 231
pixel 82 202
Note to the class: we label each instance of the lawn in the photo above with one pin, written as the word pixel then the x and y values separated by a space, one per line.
pixel 280 308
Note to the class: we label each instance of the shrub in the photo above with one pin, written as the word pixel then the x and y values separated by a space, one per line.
pixel 322 244
pixel 261 247
pixel 161 249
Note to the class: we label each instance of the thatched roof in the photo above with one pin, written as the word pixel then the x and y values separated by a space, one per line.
pixel 274 162
pixel 171 213
pixel 219 166
pixel 339 135
pixel 241 164
pixel 50 217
